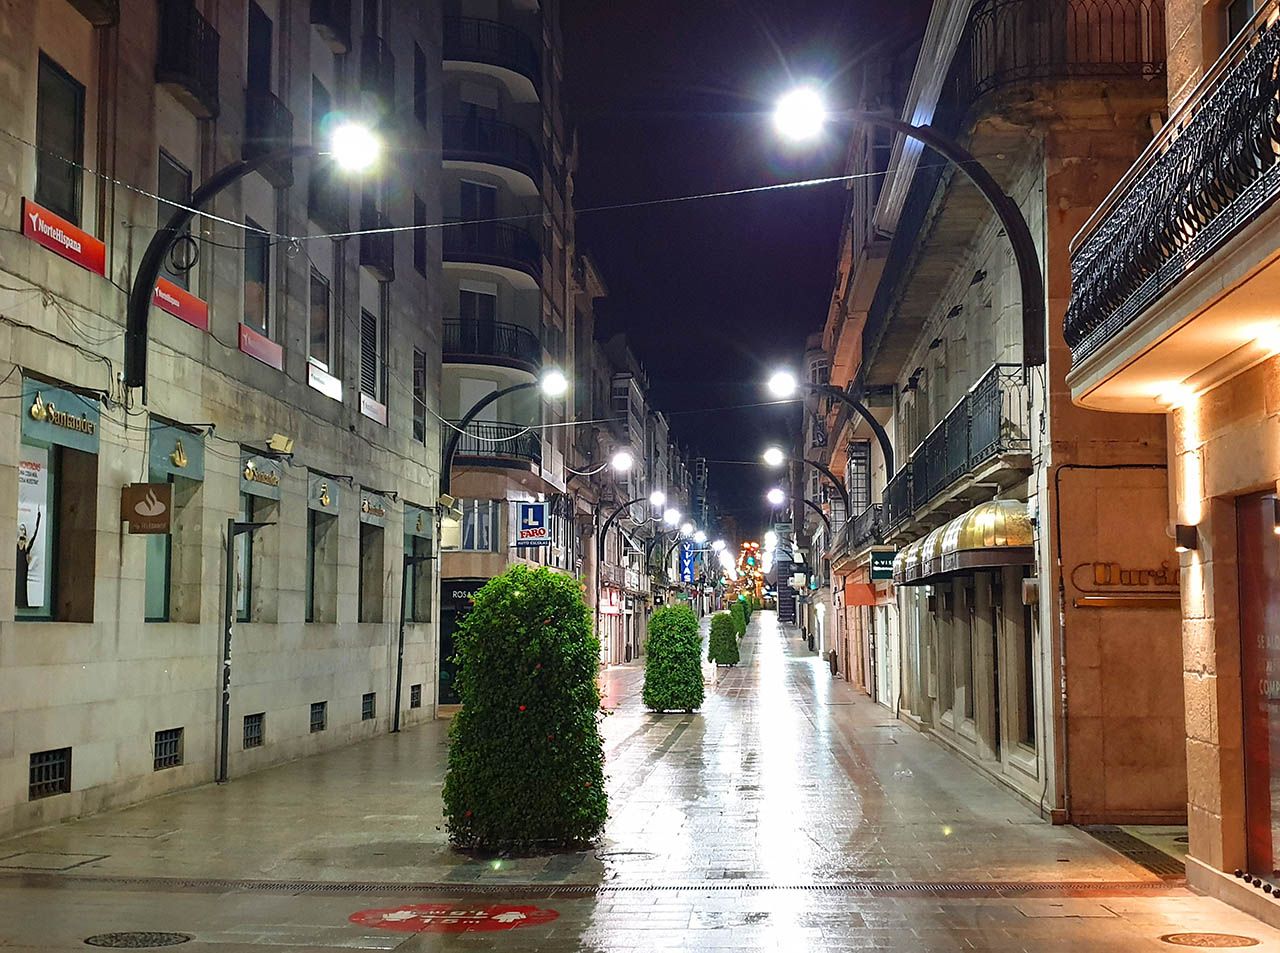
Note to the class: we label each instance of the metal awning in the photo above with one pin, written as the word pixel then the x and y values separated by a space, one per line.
pixel 998 533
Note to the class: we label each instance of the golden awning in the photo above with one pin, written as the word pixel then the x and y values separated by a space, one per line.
pixel 998 533
pixel 931 553
pixel 906 564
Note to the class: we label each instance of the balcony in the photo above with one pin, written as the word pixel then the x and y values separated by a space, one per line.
pixel 377 249
pixel 1194 216
pixel 328 197
pixel 500 445
pixel 378 72
pixel 187 57
pixel 491 342
pixel 498 244
pixel 489 142
pixel 504 50
pixel 268 126
pixel 99 12
pixel 332 20
pixel 612 575
pixel 985 439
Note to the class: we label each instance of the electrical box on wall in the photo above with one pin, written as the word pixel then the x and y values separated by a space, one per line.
pixel 1031 591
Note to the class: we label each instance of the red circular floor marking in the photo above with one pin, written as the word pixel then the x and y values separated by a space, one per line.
pixel 452 917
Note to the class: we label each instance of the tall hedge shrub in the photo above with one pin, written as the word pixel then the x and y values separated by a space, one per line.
pixel 673 661
pixel 723 647
pixel 738 612
pixel 526 761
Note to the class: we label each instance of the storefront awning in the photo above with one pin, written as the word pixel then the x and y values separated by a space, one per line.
pixel 998 533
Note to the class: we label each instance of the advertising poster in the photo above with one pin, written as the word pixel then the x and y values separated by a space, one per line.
pixel 33 527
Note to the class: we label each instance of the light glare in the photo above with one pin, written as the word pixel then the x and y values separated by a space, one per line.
pixel 622 461
pixel 671 517
pixel 776 496
pixel 354 147
pixel 783 384
pixel 774 457
pixel 657 498
pixel 800 114
pixel 554 383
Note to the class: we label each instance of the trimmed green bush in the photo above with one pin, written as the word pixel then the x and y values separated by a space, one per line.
pixel 673 661
pixel 723 648
pixel 526 762
pixel 738 612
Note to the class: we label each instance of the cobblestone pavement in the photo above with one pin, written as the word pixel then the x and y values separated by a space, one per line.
pixel 791 813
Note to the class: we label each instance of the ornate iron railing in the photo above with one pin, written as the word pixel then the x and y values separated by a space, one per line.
pixel 495 44
pixel 497 243
pixel 469 138
pixel 268 126
pixel 999 415
pixel 187 56
pixel 865 527
pixel 1209 172
pixel 898 499
pixel 470 338
pixel 497 441
pixel 377 248
pixel 1018 40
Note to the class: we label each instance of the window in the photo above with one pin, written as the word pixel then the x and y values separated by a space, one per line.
pixel 419 84
pixel 322 567
pixel 159 584
pixel 319 716
pixel 57 512
pixel 173 183
pixel 257 277
pixel 372 355
pixel 1027 667
pixel 259 48
pixel 167 750
pixel 254 729
pixel 49 773
pixel 321 106
pixel 419 396
pixel 1239 14
pixel 59 140
pixel 419 580
pixel 415 696
pixel 420 235
pixel 479 308
pixel 370 596
pixel 857 475
pixel 476 530
pixel 320 348
pixel 368 704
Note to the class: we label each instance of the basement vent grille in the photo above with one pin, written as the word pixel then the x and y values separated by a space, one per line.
pixel 50 773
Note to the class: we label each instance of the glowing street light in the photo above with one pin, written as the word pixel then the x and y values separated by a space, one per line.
pixel 657 498
pixel 686 529
pixel 783 384
pixel 700 538
pixel 554 383
pixel 800 114
pixel 718 546
pixel 622 461
pixel 776 496
pixel 774 457
pixel 354 147
pixel 671 517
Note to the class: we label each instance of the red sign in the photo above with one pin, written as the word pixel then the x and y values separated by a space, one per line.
pixel 181 303
pixel 261 347
pixel 452 918
pixel 62 238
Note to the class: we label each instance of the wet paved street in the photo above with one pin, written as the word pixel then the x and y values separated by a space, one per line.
pixel 791 813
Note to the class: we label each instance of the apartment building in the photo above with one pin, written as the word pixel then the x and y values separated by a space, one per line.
pixel 292 386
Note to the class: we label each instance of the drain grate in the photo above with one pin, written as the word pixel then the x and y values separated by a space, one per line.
pixel 137 940
pixel 1215 941
pixel 1139 851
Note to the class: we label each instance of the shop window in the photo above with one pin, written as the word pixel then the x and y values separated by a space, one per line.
pixel 257 278
pixel 257 561
pixel 57 533
pixel 322 567
pixel 419 396
pixel 371 573
pixel 1027 679
pixel 940 618
pixel 59 140
pixel 173 184
pixel 419 580
pixel 964 622
pixel 172 589
pixel 475 531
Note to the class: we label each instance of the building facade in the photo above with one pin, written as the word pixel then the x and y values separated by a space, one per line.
pixel 1170 316
pixel 292 384
pixel 1007 630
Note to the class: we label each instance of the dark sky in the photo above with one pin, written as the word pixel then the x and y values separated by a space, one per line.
pixel 672 98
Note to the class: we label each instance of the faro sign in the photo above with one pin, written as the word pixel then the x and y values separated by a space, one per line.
pixel 532 529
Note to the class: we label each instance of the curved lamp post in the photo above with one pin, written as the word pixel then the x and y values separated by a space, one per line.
pixel 784 384
pixel 775 457
pixel 801 114
pixel 353 148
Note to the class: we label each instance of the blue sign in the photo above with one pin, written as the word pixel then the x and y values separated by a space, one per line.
pixel 687 557
pixel 533 529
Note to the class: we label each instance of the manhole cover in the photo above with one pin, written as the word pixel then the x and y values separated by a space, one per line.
pixel 1215 941
pixel 136 940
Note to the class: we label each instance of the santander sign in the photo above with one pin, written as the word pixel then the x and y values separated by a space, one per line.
pixel 62 238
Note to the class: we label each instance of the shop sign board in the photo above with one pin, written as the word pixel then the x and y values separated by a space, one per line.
pixel 322 493
pixel 533 528
pixel 62 238
pixel 260 476
pixel 147 508
pixel 373 508
pixel 53 415
pixel 882 564
pixel 182 304
pixel 174 451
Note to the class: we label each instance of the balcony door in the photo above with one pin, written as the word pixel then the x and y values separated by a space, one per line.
pixel 259 50
pixel 477 312
pixel 479 209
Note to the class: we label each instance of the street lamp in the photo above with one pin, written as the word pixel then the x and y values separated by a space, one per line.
pixel 784 384
pixel 671 517
pixel 718 546
pixel 553 384
pixel 776 496
pixel 700 538
pixel 622 461
pixel 774 457
pixel 657 498
pixel 353 148
pixel 801 114
pixel 686 529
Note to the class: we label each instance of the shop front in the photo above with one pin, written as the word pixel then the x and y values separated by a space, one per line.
pixel 456 598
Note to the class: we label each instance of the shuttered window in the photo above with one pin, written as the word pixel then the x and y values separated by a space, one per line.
pixel 371 374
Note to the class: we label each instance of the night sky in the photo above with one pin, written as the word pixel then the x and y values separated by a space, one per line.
pixel 672 98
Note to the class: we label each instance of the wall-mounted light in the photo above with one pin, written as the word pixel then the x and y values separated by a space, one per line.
pixel 1275 515
pixel 1186 538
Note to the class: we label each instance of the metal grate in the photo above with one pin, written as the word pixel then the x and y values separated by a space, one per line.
pixel 415 696
pixel 253 727
pixel 319 716
pixel 1138 851
pixel 137 940
pixel 368 706
pixel 168 749
pixel 50 773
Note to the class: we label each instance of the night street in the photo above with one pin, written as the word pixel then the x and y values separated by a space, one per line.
pixel 791 814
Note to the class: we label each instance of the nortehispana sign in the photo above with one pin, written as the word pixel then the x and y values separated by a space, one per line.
pixel 62 238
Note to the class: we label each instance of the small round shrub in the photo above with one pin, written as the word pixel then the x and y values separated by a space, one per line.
pixel 723 648
pixel 526 761
pixel 738 612
pixel 673 661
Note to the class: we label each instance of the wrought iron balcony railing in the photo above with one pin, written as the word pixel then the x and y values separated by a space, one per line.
pixel 510 343
pixel 332 18
pixel 471 139
pixel 377 249
pixel 500 443
pixel 1020 40
pixel 898 499
pixel 1210 171
pixel 268 126
pixel 865 527
pixel 187 57
pixel 494 44
pixel 493 243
